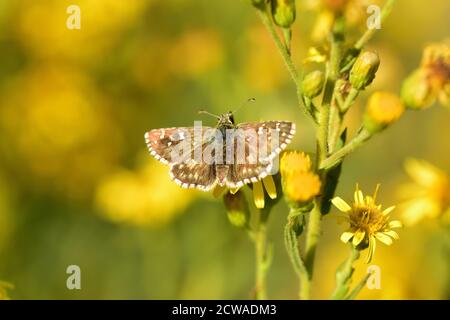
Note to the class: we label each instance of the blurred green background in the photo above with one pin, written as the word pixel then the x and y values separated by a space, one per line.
pixel 78 187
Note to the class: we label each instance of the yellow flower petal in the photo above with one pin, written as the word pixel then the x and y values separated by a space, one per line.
pixel 346 236
pixel 384 238
pixel 420 208
pixel 388 210
pixel 424 173
pixel 269 184
pixel 258 194
pixel 341 204
pixel 392 234
pixel 395 224
pixel 359 197
pixel 371 251
pixel 359 236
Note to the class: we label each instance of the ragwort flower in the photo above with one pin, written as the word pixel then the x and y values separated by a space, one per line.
pixel 368 222
pixel 300 184
pixel 429 194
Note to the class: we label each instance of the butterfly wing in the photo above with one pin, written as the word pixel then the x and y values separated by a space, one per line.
pixel 259 150
pixel 194 175
pixel 273 137
pixel 167 146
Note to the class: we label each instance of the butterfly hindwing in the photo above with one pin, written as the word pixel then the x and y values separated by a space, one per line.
pixel 194 175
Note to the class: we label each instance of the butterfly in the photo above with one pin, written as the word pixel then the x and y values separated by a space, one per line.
pixel 230 154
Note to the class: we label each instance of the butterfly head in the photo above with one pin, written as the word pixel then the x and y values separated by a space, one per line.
pixel 226 120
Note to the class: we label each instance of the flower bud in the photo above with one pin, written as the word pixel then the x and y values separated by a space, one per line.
pixel 300 185
pixel 260 4
pixel 237 209
pixel 418 92
pixel 283 12
pixel 312 84
pixel 383 109
pixel 364 70
pixel 294 162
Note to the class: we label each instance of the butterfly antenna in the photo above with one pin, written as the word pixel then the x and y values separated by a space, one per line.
pixel 246 102
pixel 208 113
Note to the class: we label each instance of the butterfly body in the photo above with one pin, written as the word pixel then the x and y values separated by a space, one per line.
pixel 228 155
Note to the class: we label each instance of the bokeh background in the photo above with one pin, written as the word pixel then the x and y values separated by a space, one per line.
pixel 78 187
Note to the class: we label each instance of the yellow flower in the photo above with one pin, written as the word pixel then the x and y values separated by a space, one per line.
pixel 383 109
pixel 354 11
pixel 430 81
pixel 303 188
pixel 368 222
pixel 293 162
pixel 300 184
pixel 429 194
pixel 143 198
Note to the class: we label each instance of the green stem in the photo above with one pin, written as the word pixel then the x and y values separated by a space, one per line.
pixel 357 289
pixel 315 216
pixel 285 54
pixel 385 12
pixel 265 18
pixel 312 236
pixel 352 95
pixel 344 275
pixel 262 262
pixel 291 243
pixel 337 157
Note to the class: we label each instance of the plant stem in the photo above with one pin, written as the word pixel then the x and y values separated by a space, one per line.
pixel 315 216
pixel 312 236
pixel 261 264
pixel 385 12
pixel 291 243
pixel 265 18
pixel 337 157
pixel 353 94
pixel 285 54
pixel 344 274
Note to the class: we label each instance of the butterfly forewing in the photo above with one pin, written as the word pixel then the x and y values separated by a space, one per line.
pixel 182 149
pixel 273 137
pixel 168 145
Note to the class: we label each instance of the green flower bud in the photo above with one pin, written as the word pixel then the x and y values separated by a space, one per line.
pixel 364 70
pixel 418 92
pixel 237 209
pixel 260 4
pixel 312 84
pixel 283 12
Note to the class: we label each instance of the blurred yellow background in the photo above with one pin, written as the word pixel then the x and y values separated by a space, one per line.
pixel 78 187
